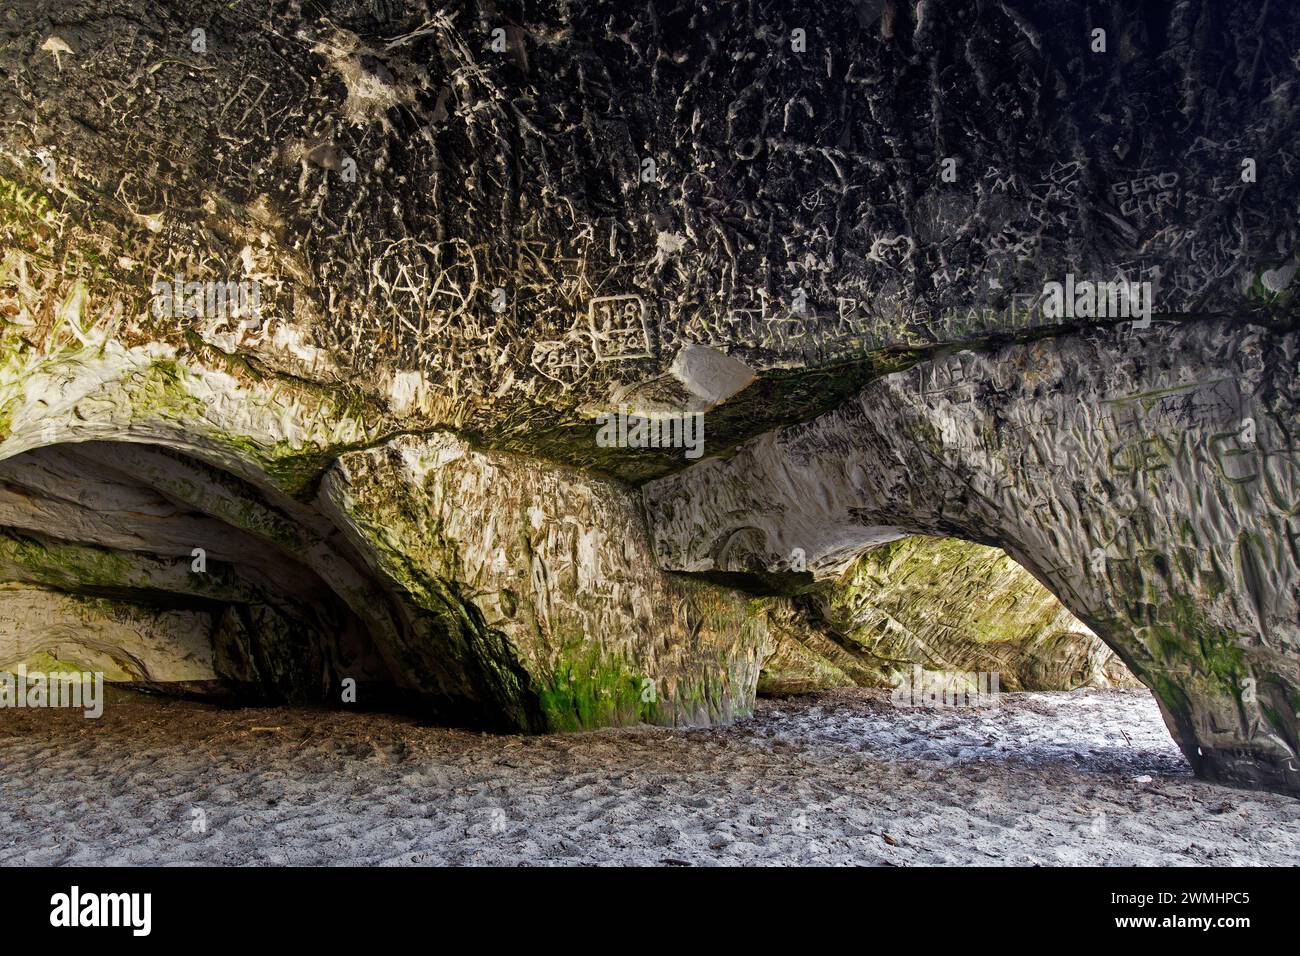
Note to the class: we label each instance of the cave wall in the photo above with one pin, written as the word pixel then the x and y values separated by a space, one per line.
pixel 950 606
pixel 48 630
pixel 555 569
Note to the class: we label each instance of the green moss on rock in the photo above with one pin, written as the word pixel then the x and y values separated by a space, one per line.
pixel 585 691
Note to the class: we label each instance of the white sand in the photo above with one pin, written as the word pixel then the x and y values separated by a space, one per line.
pixel 837 778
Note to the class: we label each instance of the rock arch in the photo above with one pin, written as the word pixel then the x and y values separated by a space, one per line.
pixel 163 571
pixel 481 587
pixel 1147 477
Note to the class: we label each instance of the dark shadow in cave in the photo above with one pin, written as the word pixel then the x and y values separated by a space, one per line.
pixel 172 576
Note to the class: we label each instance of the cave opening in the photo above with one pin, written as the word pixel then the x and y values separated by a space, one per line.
pixel 940 631
pixel 950 607
pixel 169 575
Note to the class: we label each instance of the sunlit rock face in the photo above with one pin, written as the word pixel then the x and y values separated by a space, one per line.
pixel 449 241
pixel 53 631
pixel 946 605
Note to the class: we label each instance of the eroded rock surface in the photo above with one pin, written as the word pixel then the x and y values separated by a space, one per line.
pixel 947 605
pixel 500 217
pixel 473 229
pixel 1148 480
pixel 556 570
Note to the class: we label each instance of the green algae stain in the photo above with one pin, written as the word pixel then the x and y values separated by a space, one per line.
pixel 67 564
pixel 585 691
pixel 160 390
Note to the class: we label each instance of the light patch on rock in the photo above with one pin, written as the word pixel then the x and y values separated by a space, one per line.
pixel 710 374
pixel 369 95
pixel 56 45
pixel 535 516
pixel 668 244
pixel 1277 280
pixel 290 340
pixel 407 392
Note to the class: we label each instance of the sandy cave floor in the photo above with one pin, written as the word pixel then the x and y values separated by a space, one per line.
pixel 834 778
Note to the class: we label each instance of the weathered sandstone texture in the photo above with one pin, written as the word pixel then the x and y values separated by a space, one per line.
pixel 945 604
pixel 475 227
pixel 1148 480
